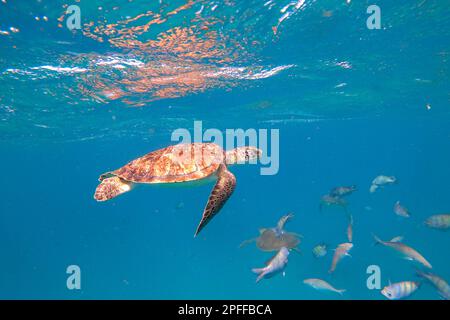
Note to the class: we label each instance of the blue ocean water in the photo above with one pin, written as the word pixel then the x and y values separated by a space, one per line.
pixel 350 103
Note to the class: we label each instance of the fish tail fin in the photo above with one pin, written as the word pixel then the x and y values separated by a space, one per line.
pixel 421 274
pixel 258 270
pixel 261 273
pixel 341 291
pixel 260 277
pixel 377 240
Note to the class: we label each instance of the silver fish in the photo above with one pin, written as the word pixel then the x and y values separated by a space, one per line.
pixel 319 284
pixel 381 181
pixel 274 266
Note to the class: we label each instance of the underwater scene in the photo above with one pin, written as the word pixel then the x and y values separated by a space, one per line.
pixel 233 149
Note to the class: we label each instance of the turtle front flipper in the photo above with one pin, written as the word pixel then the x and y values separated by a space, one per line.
pixel 111 187
pixel 224 187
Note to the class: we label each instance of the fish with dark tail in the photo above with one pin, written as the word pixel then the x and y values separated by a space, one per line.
pixel 408 252
pixel 440 284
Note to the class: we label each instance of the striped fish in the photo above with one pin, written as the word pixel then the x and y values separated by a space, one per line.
pixel 400 290
pixel 438 221
pixel 320 250
pixel 440 284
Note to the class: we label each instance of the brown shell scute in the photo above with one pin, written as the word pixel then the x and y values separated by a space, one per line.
pixel 177 163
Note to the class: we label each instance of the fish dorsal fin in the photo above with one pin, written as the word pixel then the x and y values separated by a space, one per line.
pixel 396 239
pixel 261 230
pixel 390 283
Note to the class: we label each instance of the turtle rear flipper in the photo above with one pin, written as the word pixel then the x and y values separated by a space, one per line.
pixel 224 187
pixel 246 242
pixel 110 188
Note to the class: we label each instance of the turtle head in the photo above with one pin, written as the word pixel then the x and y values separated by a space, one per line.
pixel 242 155
pixel 111 187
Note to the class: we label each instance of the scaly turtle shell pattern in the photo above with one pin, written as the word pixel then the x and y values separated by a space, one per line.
pixel 177 163
pixel 268 241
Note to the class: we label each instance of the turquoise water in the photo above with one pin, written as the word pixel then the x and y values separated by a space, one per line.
pixel 349 103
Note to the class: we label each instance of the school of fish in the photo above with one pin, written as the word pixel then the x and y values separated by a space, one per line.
pixel 276 239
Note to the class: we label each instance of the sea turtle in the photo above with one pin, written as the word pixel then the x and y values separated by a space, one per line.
pixel 273 239
pixel 180 163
